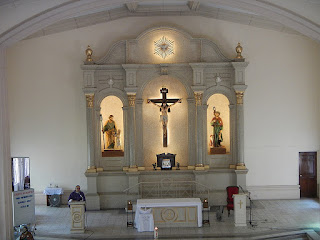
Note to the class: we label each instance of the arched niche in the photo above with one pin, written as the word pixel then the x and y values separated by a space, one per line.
pixel 221 103
pixel 112 105
pixel 177 121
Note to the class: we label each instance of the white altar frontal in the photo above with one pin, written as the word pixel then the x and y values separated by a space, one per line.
pixel 196 84
pixel 173 212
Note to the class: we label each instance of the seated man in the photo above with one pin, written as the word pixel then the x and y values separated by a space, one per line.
pixel 77 195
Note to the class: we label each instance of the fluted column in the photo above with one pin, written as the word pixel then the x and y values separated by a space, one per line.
pixel 233 134
pixel 131 125
pixel 240 127
pixel 139 134
pixel 199 126
pixel 90 127
pixel 6 228
pixel 192 148
pixel 126 136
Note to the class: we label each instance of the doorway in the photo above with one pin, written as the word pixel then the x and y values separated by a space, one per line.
pixel 308 174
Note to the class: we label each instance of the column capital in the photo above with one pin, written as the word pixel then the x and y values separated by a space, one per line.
pixel 239 89
pixel 131 99
pixel 239 95
pixel 198 97
pixel 90 100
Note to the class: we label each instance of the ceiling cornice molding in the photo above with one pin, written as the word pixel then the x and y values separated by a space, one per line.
pixel 74 8
pixel 278 14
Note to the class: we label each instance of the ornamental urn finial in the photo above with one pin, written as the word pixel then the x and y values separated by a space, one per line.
pixel 239 51
pixel 89 53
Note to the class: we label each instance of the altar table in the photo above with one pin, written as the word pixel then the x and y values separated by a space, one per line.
pixel 49 191
pixel 175 212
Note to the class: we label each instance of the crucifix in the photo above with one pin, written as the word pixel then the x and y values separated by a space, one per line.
pixel 164 104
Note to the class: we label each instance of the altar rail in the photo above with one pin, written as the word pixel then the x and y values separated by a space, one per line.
pixel 168 189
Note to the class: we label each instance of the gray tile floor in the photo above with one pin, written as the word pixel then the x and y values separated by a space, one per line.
pixel 272 219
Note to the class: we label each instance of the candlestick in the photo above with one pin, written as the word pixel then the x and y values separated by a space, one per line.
pixel 155 233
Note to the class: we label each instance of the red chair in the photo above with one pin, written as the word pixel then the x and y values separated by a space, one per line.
pixel 230 191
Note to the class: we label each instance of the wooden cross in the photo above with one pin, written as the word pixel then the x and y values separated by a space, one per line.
pixel 164 106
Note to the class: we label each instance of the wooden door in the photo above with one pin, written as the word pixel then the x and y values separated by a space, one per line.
pixel 308 174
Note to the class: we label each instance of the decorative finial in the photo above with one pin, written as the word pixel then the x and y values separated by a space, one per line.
pixel 239 51
pixel 89 54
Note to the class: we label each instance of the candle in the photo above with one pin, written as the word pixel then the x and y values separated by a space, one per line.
pixel 155 233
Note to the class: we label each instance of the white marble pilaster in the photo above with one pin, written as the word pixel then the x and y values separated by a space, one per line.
pixel 126 136
pixel 92 197
pixel 133 180
pixel 192 132
pixel 131 125
pixel 242 178
pixel 239 71
pixel 239 89
pixel 90 127
pixel 131 75
pixel 6 228
pixel 139 134
pixel 199 126
pixel 204 132
pixel 198 79
pixel 233 140
pixel 97 135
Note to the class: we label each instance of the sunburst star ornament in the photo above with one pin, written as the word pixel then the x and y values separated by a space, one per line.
pixel 163 47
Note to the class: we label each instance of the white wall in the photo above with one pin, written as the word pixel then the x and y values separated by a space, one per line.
pixel 47 105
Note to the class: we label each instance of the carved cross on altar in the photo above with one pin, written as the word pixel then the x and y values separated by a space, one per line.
pixel 164 104
pixel 240 203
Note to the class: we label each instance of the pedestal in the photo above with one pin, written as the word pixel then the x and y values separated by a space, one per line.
pixel 92 196
pixel 77 210
pixel 218 150
pixel 112 153
pixel 239 202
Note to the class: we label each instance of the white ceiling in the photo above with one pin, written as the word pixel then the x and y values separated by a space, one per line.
pixel 43 17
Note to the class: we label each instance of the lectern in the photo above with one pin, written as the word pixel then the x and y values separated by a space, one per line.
pixel 77 216
pixel 239 202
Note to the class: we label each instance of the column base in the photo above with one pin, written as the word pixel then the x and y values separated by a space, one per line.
pixel 133 169
pixel 91 169
pixel 241 166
